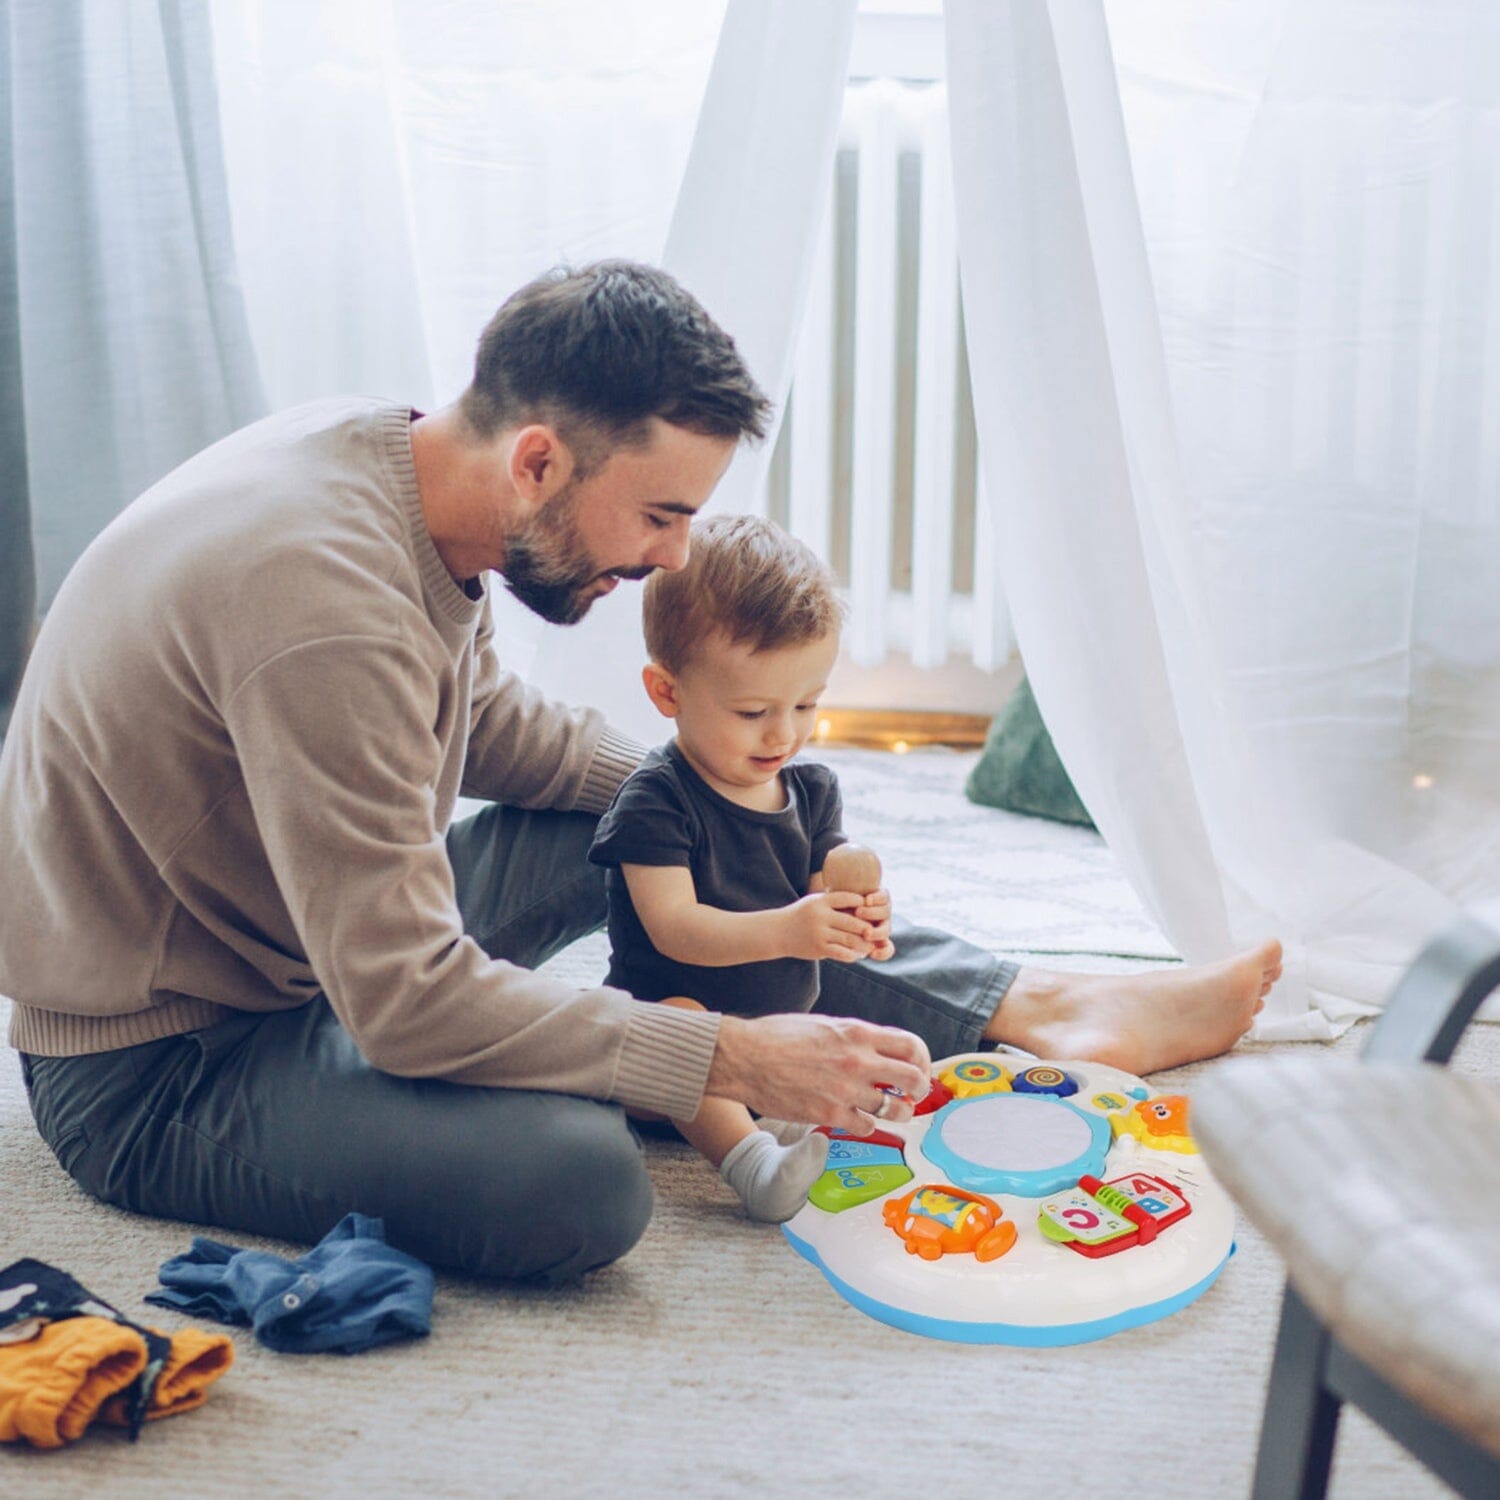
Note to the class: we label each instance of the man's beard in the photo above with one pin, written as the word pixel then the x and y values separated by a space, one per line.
pixel 549 569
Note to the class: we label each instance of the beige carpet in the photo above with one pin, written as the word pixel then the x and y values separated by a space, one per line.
pixel 712 1361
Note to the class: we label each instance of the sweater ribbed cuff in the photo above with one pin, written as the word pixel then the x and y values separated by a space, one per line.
pixel 664 1062
pixel 615 757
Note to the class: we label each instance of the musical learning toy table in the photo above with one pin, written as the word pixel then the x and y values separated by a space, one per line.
pixel 1026 1202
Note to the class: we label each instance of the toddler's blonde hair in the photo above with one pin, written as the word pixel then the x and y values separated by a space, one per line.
pixel 746 580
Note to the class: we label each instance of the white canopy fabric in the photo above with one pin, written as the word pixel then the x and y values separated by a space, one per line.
pixel 741 238
pixel 1230 276
pixel 397 168
pixel 1247 572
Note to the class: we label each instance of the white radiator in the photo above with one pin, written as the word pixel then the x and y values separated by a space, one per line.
pixel 875 463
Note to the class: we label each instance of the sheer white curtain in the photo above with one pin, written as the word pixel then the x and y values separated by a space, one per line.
pixel 1238 398
pixel 1248 564
pixel 126 347
pixel 741 239
pixel 322 218
pixel 398 167
pixel 123 340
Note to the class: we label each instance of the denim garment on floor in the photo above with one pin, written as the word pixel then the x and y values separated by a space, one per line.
pixel 349 1293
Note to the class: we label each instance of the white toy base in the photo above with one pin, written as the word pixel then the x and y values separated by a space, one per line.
pixel 1022 1145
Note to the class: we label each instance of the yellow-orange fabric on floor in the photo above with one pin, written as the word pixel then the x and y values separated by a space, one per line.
pixel 198 1359
pixel 78 1369
pixel 52 1386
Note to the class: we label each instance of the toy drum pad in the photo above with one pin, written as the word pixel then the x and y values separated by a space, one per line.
pixel 1024 1203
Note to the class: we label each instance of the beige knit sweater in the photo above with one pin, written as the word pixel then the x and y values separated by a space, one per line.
pixel 241 734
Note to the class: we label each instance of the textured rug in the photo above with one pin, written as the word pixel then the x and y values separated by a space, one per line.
pixel 712 1360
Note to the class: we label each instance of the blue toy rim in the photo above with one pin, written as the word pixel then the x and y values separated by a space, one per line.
pixel 1019 1335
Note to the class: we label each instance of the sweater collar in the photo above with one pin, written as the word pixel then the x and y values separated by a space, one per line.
pixel 445 596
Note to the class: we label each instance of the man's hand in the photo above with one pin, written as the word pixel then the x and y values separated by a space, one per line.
pixel 826 1070
pixel 824 925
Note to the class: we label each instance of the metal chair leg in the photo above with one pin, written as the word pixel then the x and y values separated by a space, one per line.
pixel 1302 1415
pixel 1438 995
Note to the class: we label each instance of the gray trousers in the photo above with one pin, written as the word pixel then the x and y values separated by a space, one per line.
pixel 275 1125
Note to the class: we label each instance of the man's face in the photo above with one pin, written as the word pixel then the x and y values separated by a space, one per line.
pixel 628 518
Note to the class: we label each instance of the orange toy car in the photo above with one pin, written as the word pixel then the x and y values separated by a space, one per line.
pixel 936 1220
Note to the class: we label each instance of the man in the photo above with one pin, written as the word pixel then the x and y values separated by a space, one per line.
pixel 257 984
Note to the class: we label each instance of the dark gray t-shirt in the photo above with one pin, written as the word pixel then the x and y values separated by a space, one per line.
pixel 740 859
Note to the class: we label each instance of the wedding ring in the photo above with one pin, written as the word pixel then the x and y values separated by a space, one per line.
pixel 885 1104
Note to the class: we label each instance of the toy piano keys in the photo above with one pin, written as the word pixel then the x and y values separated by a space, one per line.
pixel 1036 1204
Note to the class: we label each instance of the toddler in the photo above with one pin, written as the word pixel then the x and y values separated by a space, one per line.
pixel 715 846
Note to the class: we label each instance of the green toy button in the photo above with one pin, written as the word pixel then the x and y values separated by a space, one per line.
pixel 848 1187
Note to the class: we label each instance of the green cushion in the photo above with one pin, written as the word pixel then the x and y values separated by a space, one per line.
pixel 1019 770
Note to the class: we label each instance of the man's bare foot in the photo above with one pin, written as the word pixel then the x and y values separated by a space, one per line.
pixel 1141 1023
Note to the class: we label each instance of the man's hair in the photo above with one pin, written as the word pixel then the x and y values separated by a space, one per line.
pixel 597 352
pixel 746 580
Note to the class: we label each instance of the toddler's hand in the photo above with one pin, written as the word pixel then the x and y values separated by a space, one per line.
pixel 876 910
pixel 824 925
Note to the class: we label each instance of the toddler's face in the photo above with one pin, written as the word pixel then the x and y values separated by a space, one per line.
pixel 742 714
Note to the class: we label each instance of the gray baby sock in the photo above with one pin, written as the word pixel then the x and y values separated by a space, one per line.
pixel 783 1132
pixel 771 1180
